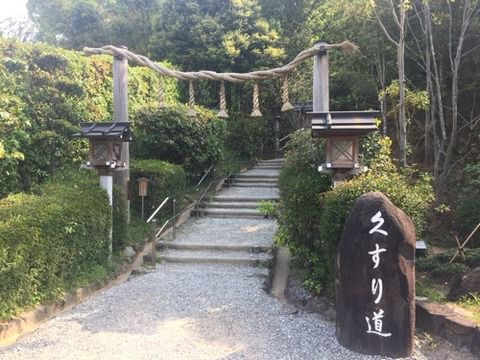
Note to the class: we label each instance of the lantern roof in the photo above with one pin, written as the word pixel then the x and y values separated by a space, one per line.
pixel 339 123
pixel 105 130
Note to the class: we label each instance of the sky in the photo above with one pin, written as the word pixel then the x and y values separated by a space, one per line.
pixel 13 8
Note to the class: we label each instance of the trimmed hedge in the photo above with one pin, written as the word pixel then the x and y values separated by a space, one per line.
pixel 314 242
pixel 165 180
pixel 169 134
pixel 44 93
pixel 50 240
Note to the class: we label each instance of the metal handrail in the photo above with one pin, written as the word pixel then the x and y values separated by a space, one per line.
pixel 205 175
pixel 158 209
pixel 285 137
pixel 174 217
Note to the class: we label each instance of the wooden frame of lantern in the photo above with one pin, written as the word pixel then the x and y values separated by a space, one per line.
pixel 105 140
pixel 342 131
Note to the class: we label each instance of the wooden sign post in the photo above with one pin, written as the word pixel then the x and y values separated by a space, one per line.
pixel 375 279
pixel 142 192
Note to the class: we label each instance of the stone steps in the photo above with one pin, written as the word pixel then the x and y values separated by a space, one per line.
pixel 215 257
pixel 237 199
pixel 247 248
pixel 247 180
pixel 244 213
pixel 253 184
pixel 230 205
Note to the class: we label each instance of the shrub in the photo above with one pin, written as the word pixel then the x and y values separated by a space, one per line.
pixel 468 209
pixel 44 93
pixel 119 221
pixel 412 197
pixel 165 180
pixel 299 184
pixel 168 134
pixel 249 136
pixel 50 239
pixel 316 239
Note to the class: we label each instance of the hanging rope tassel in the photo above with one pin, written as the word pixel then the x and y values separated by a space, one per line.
pixel 223 102
pixel 285 99
pixel 191 100
pixel 256 103
pixel 161 93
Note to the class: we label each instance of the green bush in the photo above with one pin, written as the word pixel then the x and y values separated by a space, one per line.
pixel 250 136
pixel 316 240
pixel 168 134
pixel 165 179
pixel 119 221
pixel 468 203
pixel 44 93
pixel 50 239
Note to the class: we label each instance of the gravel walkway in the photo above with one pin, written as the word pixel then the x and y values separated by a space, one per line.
pixel 184 312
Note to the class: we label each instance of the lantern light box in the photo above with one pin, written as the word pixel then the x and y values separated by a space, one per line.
pixel 342 131
pixel 105 143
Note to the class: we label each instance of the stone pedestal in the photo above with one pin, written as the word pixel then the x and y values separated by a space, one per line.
pixel 375 279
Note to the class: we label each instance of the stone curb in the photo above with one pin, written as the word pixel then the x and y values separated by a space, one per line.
pixel 443 321
pixel 10 331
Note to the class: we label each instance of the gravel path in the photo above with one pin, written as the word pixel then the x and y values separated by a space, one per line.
pixel 183 312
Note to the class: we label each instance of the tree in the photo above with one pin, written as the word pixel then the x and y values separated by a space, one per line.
pixel 399 19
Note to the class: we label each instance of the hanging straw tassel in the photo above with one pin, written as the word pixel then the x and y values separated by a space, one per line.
pixel 223 103
pixel 256 103
pixel 191 100
pixel 285 100
pixel 161 93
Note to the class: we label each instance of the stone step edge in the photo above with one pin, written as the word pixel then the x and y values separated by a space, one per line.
pixel 234 199
pixel 249 248
pixel 229 205
pixel 253 185
pixel 214 260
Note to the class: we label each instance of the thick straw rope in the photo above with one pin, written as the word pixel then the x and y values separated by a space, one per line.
pixel 285 98
pixel 191 100
pixel 256 103
pixel 161 93
pixel 223 102
pixel 346 46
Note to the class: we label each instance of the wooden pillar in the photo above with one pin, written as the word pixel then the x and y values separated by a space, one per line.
pixel 321 96
pixel 106 183
pixel 121 176
pixel 277 136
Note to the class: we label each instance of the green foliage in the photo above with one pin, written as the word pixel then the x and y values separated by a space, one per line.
pixel 50 239
pixel 165 179
pixel 312 218
pixel 45 93
pixel 249 136
pixel 119 221
pixel 268 208
pixel 468 208
pixel 300 183
pixel 169 134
